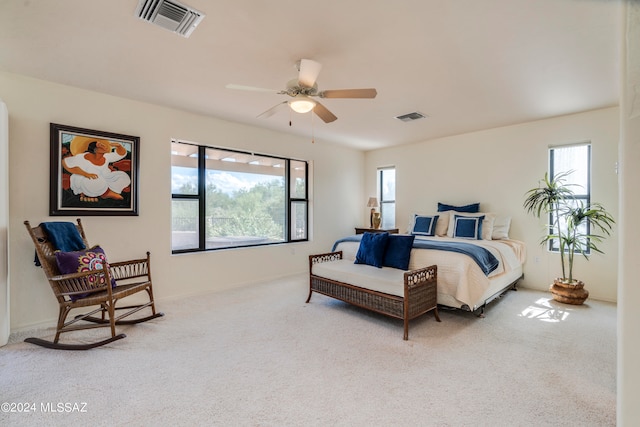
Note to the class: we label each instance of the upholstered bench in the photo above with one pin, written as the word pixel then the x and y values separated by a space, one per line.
pixel 389 291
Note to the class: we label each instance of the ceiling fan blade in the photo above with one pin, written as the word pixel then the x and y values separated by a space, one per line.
pixel 349 93
pixel 309 71
pixel 271 111
pixel 255 89
pixel 322 112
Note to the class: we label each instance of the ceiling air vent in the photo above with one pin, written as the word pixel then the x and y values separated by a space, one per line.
pixel 411 116
pixel 170 15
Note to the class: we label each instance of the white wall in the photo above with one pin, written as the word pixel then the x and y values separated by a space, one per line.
pixel 4 226
pixel 33 104
pixel 629 291
pixel 496 167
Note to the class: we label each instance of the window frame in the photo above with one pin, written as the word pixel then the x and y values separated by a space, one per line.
pixel 384 201
pixel 200 197
pixel 585 197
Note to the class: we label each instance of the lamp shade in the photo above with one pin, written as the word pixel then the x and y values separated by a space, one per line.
pixel 373 202
pixel 302 104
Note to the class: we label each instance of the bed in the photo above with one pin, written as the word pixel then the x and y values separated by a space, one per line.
pixel 463 283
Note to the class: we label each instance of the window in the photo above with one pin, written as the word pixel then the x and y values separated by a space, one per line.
pixel 577 159
pixel 224 199
pixel 387 193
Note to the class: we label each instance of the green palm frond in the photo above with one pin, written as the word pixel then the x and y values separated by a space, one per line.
pixel 554 196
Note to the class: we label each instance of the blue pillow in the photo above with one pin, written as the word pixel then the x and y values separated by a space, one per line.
pixel 398 251
pixel 472 208
pixel 467 227
pixel 372 247
pixel 424 225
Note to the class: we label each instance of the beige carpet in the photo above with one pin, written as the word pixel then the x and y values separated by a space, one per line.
pixel 260 356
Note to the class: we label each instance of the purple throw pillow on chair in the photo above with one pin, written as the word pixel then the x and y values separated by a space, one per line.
pixel 80 261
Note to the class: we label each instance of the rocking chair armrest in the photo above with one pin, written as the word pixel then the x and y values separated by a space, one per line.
pixel 81 283
pixel 71 276
pixel 123 270
pixel 128 262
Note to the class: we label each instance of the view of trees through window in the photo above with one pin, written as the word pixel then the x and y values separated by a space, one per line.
pixel 575 160
pixel 224 198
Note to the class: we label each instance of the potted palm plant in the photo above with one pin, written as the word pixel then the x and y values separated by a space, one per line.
pixel 577 228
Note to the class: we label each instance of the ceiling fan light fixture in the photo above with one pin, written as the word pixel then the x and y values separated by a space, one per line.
pixel 302 104
pixel 300 91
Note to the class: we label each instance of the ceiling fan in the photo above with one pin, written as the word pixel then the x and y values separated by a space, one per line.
pixel 303 89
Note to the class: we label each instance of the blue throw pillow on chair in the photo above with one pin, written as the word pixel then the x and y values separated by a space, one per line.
pixel 372 248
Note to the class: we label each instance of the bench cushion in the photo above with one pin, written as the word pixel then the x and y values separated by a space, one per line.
pixel 387 280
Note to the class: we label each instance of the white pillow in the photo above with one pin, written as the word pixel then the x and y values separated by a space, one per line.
pixel 443 223
pixel 501 227
pixel 487 223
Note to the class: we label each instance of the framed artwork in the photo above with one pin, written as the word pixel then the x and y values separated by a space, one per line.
pixel 93 172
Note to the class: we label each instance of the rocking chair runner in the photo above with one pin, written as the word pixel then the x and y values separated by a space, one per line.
pixel 92 288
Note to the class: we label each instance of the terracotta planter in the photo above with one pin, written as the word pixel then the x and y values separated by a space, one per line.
pixel 569 293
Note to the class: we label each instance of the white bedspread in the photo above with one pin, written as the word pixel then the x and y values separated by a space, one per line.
pixel 460 279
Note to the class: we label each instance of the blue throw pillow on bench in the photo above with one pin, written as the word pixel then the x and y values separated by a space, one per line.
pixel 398 251
pixel 372 248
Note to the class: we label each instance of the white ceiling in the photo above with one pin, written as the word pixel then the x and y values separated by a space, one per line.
pixel 467 64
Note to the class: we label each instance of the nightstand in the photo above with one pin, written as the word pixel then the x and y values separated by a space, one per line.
pixel 360 230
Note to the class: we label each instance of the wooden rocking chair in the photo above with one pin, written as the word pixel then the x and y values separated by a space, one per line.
pixel 103 288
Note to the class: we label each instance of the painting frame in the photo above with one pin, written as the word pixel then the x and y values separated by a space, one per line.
pixel 92 172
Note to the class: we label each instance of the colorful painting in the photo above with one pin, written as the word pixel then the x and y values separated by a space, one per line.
pixel 93 172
